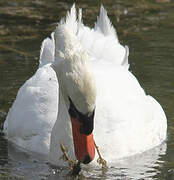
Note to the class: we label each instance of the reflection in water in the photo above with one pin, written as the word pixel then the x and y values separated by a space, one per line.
pixel 145 26
pixel 144 165
pixel 31 166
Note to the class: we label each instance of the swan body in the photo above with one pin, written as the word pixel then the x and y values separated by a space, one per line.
pixel 92 70
pixel 30 119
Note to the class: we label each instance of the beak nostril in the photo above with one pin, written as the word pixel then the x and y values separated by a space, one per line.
pixel 87 159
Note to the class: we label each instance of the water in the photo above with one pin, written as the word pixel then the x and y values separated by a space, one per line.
pixel 146 26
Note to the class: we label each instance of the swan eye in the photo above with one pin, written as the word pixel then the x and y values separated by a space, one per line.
pixel 86 120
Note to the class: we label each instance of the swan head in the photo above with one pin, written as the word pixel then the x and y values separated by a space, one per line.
pixel 77 85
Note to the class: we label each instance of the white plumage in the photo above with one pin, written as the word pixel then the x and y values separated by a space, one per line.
pixel 127 121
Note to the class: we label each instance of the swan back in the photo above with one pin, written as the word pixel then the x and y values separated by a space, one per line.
pixel 100 42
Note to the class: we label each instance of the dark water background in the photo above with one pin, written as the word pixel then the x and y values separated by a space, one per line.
pixel 146 26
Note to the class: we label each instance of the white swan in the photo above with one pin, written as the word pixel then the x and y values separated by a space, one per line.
pixel 94 81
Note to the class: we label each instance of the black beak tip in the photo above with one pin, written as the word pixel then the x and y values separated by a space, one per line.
pixel 87 159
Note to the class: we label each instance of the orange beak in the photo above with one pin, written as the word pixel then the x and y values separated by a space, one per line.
pixel 83 144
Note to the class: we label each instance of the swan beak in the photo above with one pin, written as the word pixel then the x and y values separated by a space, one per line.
pixel 83 143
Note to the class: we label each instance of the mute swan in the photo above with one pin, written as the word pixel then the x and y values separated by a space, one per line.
pixel 95 95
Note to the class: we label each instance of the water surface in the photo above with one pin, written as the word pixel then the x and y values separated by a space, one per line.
pixel 146 26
